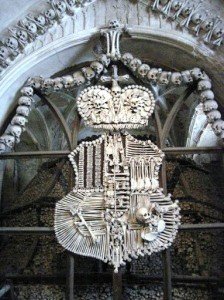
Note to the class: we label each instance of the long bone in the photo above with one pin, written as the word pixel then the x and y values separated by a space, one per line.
pixel 77 212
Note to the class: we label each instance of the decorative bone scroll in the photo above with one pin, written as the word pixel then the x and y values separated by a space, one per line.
pixel 116 211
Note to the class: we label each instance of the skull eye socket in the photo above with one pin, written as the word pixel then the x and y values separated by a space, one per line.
pixel 145 214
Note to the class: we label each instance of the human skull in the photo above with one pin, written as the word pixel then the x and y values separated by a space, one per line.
pixel 197 17
pixel 58 83
pixel 207 24
pixel 153 74
pixel 2 148
pixel 164 77
pixel 61 6
pixel 48 83
pixel 104 60
pixel 127 58
pixel 186 76
pixel 176 5
pixel 176 78
pixel 23 110
pixel 210 105
pixel 218 126
pixel 134 64
pixel 22 36
pixel 143 215
pixel 207 95
pixel 88 73
pixel 4 52
pixel 24 100
pixel 35 82
pixel 31 27
pixel 114 24
pixel 68 81
pixel 218 32
pixel 213 115
pixel 97 67
pixel 78 78
pixel 12 43
pixel 196 73
pixel 8 140
pixel 19 120
pixel 15 130
pixel 187 10
pixel 50 14
pixel 27 91
pixel 40 20
pixel 143 70
pixel 204 85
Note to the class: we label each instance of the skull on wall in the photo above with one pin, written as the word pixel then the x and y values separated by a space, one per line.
pixel 61 6
pixel 114 24
pixel 19 120
pixel 127 58
pixel 24 100
pixel 22 36
pixel 35 82
pixel 210 105
pixel 153 74
pixel 143 70
pixel 176 5
pixel 48 83
pixel 78 78
pixel 97 67
pixel 176 78
pixel 187 10
pixel 213 116
pixel 8 140
pixel 31 27
pixel 58 83
pixel 134 64
pixel 15 130
pixel 196 73
pixel 207 24
pixel 186 76
pixel 207 95
pixel 218 32
pixel 164 77
pixel 104 60
pixel 23 110
pixel 204 85
pixel 197 17
pixel 4 52
pixel 88 73
pixel 218 126
pixel 143 215
pixel 50 14
pixel 68 81
pixel 12 43
pixel 40 20
pixel 27 91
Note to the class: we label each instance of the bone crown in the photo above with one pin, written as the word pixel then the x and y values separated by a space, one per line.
pixel 117 108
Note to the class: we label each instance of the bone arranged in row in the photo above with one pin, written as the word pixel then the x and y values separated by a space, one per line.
pixel 144 174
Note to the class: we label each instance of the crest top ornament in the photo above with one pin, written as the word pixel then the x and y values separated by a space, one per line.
pixel 116 108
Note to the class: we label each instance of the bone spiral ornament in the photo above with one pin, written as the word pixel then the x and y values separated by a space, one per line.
pixel 116 211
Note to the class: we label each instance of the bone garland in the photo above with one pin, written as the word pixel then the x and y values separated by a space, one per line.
pixel 29 28
pixel 117 223
pixel 192 16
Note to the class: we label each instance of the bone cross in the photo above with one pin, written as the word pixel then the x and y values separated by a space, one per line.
pixel 82 222
pixel 115 78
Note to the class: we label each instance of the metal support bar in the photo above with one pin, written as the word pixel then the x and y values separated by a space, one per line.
pixel 64 153
pixel 50 230
pixel 70 277
pixel 117 286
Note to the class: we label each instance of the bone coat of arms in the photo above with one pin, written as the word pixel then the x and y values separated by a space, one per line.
pixel 117 210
